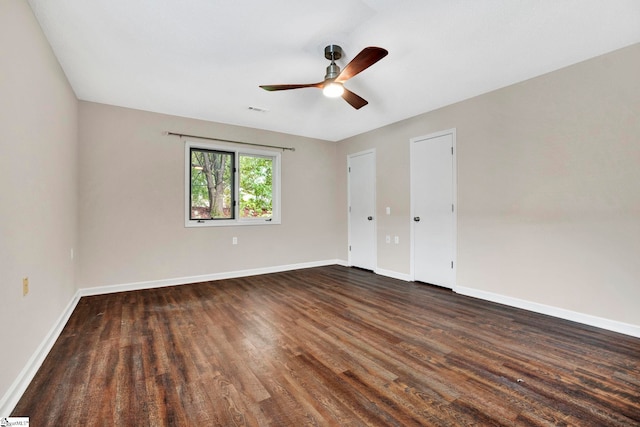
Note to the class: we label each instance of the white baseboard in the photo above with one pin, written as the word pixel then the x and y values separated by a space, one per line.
pixel 19 386
pixel 586 319
pixel 393 274
pixel 381 272
pixel 99 290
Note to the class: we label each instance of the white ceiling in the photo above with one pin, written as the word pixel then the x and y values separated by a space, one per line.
pixel 205 58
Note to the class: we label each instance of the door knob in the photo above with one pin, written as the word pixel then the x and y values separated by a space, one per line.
pixel 369 218
pixel 416 218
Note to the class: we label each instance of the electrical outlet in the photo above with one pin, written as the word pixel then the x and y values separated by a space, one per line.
pixel 388 239
pixel 25 286
pixel 396 239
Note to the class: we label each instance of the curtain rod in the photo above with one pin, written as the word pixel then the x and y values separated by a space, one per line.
pixel 229 140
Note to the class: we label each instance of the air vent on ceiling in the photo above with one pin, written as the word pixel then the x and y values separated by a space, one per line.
pixel 257 109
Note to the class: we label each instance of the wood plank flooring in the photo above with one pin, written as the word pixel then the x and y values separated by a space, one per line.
pixel 328 346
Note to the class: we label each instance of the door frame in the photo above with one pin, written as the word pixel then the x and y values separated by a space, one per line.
pixel 371 151
pixel 454 159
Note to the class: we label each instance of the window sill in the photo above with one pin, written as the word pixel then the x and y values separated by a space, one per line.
pixel 230 222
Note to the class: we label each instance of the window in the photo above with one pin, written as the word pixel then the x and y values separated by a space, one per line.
pixel 231 187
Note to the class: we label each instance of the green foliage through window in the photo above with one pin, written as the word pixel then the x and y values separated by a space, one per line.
pixel 256 186
pixel 216 192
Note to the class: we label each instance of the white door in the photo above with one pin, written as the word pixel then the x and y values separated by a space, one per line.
pixel 362 190
pixel 433 209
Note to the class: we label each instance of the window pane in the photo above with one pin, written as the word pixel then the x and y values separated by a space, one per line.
pixel 211 184
pixel 256 186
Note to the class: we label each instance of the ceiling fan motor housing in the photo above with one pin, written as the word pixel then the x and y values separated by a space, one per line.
pixel 332 52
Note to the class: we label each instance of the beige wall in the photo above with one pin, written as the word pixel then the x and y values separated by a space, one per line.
pixel 548 188
pixel 132 202
pixel 38 175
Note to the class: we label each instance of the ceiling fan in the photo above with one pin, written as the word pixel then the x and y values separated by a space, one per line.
pixel 332 85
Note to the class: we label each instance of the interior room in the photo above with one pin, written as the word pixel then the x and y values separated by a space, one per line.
pixel 100 102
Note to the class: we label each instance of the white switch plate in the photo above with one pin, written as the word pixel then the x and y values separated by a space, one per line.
pixel 397 239
pixel 388 210
pixel 234 241
pixel 388 239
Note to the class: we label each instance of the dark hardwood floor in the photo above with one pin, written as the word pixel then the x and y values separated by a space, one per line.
pixel 328 346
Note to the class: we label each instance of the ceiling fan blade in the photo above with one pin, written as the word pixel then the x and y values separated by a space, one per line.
pixel 365 59
pixel 356 101
pixel 287 87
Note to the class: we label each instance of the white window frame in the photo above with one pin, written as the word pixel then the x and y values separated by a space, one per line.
pixel 236 221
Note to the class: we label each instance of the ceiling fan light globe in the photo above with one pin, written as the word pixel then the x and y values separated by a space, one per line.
pixel 333 90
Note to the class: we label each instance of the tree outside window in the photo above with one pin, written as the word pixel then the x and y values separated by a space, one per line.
pixel 211 184
pixel 231 187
